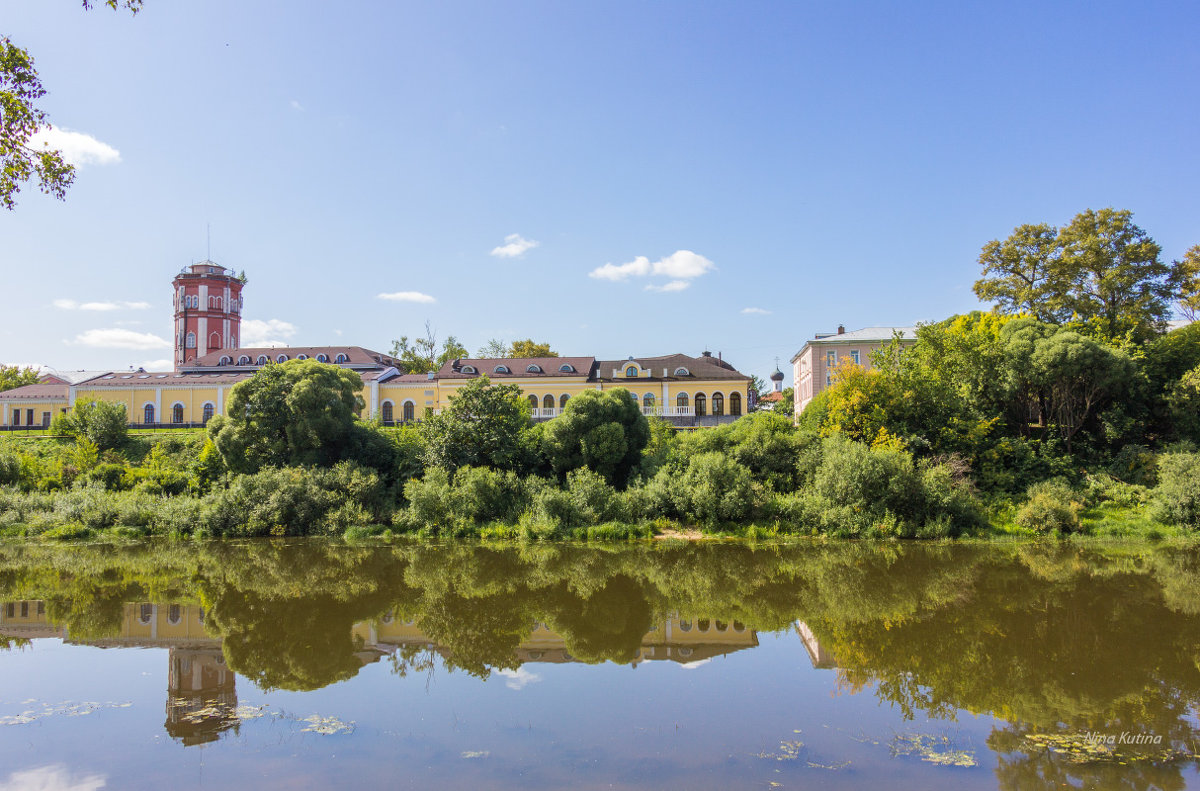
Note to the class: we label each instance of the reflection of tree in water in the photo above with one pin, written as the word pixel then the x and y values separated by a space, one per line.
pixel 1055 640
pixel 607 625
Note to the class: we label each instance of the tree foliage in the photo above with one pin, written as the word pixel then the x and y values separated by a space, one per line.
pixel 13 376
pixel 102 423
pixel 1100 270
pixel 1187 274
pixel 602 430
pixel 21 120
pixel 301 412
pixel 423 355
pixel 496 348
pixel 484 425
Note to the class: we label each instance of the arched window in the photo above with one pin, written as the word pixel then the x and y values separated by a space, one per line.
pixel 702 625
pixel 191 340
pixel 177 413
pixel 468 369
pixel 718 404
pixel 681 400
pixel 322 358
pixel 685 626
pixel 548 401
pixel 146 614
pixel 385 411
pixel 410 411
pixel 226 360
pixel 533 402
pixel 262 360
pixel 682 372
pixel 214 340
pixel 631 372
pixel 301 356
pixel 502 369
pixel 207 414
pixel 148 413
pixel 648 400
pixel 700 405
pixel 566 368
pixel 282 358
pixel 735 403
pixel 562 401
pixel 243 360
pixel 341 358
pixel 533 368
pixel 174 615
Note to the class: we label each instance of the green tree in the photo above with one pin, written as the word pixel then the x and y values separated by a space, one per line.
pixel 1187 278
pixel 484 426
pixel 421 355
pixel 12 376
pixel 102 423
pixel 21 120
pixel 1117 283
pixel 785 406
pixel 529 348
pixel 603 430
pixel 493 349
pixel 1022 274
pixel 301 412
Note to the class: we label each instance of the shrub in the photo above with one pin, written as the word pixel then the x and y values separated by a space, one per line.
pixel 714 489
pixel 10 468
pixel 1135 464
pixel 481 494
pixel 1177 497
pixel 102 422
pixel 1052 506
pixel 429 499
pixel 289 501
pixel 870 480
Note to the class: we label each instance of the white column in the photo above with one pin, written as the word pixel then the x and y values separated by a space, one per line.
pixel 666 397
pixel 220 400
pixel 158 415
pixel 71 396
pixel 373 407
pixel 6 414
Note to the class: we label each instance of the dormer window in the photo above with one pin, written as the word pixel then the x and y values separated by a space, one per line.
pixel 224 361
pixel 243 360
pixel 468 369
pixel 566 368
pixel 262 360
pixel 502 369
pixel 341 358
pixel 533 368
pixel 281 358
pixel 322 358
pixel 631 372
pixel 682 372
pixel 301 356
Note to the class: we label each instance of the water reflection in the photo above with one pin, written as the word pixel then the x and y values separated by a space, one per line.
pixel 1070 648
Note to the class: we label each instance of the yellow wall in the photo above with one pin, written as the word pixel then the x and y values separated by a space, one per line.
pixel 39 408
pixel 136 397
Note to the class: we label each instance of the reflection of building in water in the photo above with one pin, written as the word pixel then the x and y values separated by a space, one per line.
pixel 201 695
pixel 819 657
pixel 677 639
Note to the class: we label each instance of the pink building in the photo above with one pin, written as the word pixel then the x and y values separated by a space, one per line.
pixel 813 366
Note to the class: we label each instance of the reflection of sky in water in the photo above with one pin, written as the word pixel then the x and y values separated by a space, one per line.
pixel 650 725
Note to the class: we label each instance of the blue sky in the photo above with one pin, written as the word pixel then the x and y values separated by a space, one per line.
pixel 745 174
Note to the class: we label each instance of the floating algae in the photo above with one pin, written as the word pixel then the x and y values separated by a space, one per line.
pixel 1083 749
pixel 64 709
pixel 327 725
pixel 932 749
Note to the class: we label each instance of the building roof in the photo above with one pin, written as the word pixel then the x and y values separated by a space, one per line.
pixel 55 376
pixel 518 367
pixel 357 357
pixel 865 335
pixel 41 391
pixel 664 367
pixel 160 379
pixel 770 397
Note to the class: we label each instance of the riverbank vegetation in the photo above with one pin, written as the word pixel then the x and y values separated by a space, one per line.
pixel 1068 409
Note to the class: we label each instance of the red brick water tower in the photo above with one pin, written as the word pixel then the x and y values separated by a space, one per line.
pixel 208 311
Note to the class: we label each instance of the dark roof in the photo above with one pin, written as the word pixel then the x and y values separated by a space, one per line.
pixel 41 391
pixel 357 356
pixel 518 367
pixel 699 368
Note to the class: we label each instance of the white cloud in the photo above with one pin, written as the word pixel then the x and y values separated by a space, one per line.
pixel 406 296
pixel 51 778
pixel 518 678
pixel 296 105
pixel 70 304
pixel 756 311
pixel 116 338
pixel 681 265
pixel 77 148
pixel 272 332
pixel 674 285
pixel 157 365
pixel 514 246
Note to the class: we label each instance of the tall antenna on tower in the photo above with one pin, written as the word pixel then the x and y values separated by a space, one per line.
pixel 208 241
